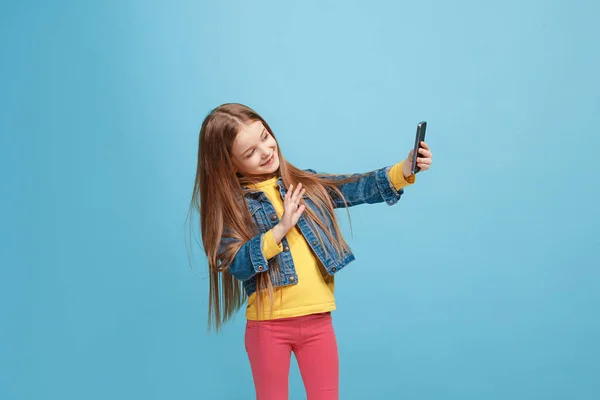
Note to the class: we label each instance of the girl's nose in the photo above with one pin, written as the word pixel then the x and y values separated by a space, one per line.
pixel 265 152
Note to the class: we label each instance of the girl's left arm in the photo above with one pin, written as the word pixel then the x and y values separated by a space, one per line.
pixel 382 185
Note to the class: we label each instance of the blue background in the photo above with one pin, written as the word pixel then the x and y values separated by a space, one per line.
pixel 482 283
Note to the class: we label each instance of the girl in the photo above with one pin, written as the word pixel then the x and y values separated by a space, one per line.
pixel 271 236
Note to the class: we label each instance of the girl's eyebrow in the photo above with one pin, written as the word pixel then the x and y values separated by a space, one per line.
pixel 251 147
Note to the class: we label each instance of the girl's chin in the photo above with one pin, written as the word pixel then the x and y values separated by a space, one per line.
pixel 273 167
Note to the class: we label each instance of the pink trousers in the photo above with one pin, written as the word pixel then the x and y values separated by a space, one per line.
pixel 269 345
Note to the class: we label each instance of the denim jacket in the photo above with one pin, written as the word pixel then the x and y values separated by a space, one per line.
pixel 374 187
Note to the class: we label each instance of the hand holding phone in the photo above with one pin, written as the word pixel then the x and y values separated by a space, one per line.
pixel 420 137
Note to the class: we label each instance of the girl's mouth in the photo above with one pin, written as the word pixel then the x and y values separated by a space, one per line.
pixel 269 161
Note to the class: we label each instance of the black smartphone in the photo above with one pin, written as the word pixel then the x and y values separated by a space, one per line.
pixel 420 137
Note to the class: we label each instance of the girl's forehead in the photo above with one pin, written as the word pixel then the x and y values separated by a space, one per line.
pixel 248 135
pixel 253 128
pixel 250 132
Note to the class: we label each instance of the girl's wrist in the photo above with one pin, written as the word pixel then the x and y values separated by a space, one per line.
pixel 279 232
pixel 406 169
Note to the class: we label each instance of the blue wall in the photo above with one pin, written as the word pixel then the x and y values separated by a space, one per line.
pixel 482 283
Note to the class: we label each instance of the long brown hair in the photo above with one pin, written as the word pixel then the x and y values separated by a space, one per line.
pixel 218 198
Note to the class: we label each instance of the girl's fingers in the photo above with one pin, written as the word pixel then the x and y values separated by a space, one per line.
pixel 424 145
pixel 296 200
pixel 425 152
pixel 300 210
pixel 292 199
pixel 421 160
pixel 296 192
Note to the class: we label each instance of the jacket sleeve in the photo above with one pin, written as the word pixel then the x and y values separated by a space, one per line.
pixel 370 188
pixel 252 257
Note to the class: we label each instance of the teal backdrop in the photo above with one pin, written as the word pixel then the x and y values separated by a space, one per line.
pixel 482 283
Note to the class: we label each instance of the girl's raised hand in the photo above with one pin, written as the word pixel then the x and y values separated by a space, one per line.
pixel 292 210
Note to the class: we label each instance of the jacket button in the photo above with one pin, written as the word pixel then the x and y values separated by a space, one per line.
pixel 292 279
pixel 286 248
pixel 314 242
pixel 273 217
pixel 260 267
pixel 334 269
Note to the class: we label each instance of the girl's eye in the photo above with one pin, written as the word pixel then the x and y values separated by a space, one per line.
pixel 265 137
pixel 250 155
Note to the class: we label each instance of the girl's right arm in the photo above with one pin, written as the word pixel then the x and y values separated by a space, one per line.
pixel 252 257
pixel 249 259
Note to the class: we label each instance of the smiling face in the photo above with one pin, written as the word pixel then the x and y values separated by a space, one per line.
pixel 254 151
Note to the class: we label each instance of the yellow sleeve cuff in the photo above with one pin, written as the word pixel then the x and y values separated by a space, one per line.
pixel 398 179
pixel 269 247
